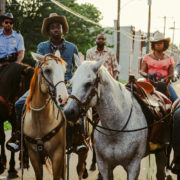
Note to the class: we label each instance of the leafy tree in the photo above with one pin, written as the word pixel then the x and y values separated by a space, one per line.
pixel 29 15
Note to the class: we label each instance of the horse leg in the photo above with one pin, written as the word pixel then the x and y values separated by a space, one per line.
pixel 133 169
pixel 81 164
pixel 58 164
pixel 161 162
pixel 36 163
pixel 3 159
pixel 12 173
pixel 105 171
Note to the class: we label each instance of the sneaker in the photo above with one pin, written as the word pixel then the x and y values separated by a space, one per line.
pixel 13 146
pixel 81 147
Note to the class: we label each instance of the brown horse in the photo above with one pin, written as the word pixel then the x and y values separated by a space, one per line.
pixel 44 123
pixel 14 82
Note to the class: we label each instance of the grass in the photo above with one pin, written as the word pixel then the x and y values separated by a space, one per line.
pixel 7 126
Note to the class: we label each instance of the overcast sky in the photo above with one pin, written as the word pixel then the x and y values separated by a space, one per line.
pixel 135 13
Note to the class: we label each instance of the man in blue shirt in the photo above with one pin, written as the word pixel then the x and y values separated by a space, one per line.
pixel 11 42
pixel 54 26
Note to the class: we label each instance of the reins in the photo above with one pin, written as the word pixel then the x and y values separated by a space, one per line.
pixel 83 107
pixel 51 92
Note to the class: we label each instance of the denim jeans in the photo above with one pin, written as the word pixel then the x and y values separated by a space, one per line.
pixel 19 104
pixel 173 95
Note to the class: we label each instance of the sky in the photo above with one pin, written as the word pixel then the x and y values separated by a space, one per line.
pixel 135 13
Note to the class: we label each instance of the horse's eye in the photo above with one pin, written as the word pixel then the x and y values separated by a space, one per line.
pixel 88 85
pixel 48 71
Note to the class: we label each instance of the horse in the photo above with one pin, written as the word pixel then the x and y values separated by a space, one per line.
pixel 14 82
pixel 117 109
pixel 44 122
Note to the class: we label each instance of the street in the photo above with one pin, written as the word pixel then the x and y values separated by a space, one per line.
pixel 148 166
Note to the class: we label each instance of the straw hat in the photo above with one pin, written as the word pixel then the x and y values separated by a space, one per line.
pixel 159 37
pixel 53 17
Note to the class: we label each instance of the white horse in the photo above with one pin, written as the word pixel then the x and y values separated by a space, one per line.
pixel 44 123
pixel 92 85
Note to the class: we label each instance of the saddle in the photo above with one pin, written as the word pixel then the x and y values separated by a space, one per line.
pixel 156 102
pixel 155 107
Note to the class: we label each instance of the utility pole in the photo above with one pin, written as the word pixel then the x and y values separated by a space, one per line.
pixel 149 26
pixel 164 25
pixel 118 30
pixel 2 7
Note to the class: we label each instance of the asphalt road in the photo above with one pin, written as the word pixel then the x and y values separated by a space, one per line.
pixel 148 166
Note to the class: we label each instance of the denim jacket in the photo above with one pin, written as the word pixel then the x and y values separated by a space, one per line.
pixel 67 50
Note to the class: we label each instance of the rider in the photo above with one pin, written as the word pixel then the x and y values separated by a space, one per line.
pixel 53 26
pixel 101 50
pixel 11 42
pixel 159 64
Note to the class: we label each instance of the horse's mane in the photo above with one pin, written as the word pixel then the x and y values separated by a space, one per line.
pixel 32 86
pixel 34 79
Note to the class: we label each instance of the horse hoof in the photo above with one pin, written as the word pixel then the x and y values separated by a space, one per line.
pixel 12 175
pixel 85 174
pixel 93 167
pixel 169 177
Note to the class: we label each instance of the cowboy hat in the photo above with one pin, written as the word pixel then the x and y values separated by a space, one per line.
pixel 159 37
pixel 53 17
pixel 6 16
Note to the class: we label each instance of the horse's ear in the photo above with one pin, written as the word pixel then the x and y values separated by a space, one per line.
pixel 57 53
pixel 37 57
pixel 77 60
pixel 98 64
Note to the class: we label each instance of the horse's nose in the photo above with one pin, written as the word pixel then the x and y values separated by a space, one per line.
pixel 70 114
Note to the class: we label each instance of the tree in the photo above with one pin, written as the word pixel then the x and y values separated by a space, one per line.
pixel 29 15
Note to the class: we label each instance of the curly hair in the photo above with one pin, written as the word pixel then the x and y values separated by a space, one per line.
pixel 166 45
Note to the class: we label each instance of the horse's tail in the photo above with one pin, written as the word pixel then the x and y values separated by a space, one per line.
pixel 48 166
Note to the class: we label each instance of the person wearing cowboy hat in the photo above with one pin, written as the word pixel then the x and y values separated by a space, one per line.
pixel 11 42
pixel 54 27
pixel 158 61
pixel 158 65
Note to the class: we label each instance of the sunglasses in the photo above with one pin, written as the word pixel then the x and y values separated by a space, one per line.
pixel 7 22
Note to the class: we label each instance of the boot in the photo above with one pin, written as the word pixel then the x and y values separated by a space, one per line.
pixel 176 161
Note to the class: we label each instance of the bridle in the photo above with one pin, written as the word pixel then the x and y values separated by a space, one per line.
pixel 51 87
pixel 84 105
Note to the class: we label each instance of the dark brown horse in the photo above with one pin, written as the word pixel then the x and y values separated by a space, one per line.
pixel 14 82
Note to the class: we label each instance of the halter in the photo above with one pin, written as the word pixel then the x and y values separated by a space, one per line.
pixel 51 92
pixel 84 105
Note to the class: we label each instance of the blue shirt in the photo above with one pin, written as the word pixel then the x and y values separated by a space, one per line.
pixel 67 50
pixel 11 44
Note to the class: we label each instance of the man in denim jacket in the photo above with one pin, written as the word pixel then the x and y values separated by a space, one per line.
pixel 54 26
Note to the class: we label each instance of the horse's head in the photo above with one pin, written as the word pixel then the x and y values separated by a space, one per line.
pixel 50 72
pixel 84 89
